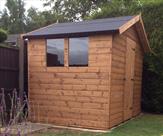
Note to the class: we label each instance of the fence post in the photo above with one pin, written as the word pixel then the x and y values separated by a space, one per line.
pixel 21 66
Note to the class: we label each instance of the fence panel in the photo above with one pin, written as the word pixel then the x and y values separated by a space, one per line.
pixel 9 68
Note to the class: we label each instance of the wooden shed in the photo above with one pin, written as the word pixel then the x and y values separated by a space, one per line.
pixel 87 74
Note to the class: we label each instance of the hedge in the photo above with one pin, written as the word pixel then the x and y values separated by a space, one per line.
pixel 3 35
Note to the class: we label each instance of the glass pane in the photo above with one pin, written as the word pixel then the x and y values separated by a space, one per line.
pixel 78 51
pixel 55 52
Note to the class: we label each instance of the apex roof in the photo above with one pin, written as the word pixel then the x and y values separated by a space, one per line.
pixel 98 26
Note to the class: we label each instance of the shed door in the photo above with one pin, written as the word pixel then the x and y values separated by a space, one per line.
pixel 129 79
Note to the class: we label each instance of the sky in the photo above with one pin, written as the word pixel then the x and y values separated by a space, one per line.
pixel 28 3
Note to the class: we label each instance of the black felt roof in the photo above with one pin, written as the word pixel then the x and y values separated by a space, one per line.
pixel 80 28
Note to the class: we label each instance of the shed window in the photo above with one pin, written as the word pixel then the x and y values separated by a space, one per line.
pixel 78 51
pixel 55 52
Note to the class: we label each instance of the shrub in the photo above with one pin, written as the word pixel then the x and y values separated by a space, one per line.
pixel 13 113
pixel 3 35
pixel 153 74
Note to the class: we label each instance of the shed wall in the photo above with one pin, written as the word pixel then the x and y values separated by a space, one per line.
pixel 118 67
pixel 117 79
pixel 139 54
pixel 71 96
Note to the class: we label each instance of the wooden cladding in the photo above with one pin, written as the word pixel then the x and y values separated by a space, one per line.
pixel 129 78
pixel 66 52
pixel 126 76
pixel 72 96
pixel 99 96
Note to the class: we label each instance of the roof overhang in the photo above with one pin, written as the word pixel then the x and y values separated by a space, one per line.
pixel 139 25
pixel 66 35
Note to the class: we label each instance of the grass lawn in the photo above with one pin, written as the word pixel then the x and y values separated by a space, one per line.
pixel 145 125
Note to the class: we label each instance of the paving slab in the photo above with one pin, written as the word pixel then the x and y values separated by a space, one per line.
pixel 24 128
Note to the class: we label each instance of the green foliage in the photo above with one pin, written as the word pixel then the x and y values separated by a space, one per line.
pixel 153 72
pixel 13 16
pixel 4 20
pixel 36 19
pixel 153 63
pixel 116 8
pixel 3 35
pixel 72 10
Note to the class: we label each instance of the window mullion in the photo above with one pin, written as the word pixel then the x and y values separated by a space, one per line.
pixel 66 52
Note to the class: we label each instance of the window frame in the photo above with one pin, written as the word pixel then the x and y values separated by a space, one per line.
pixel 47 52
pixel 87 51
pixel 66 52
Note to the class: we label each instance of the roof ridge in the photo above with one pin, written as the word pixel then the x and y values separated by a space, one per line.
pixel 93 20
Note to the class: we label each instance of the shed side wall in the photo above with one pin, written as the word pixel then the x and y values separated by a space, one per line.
pixel 117 79
pixel 118 76
pixel 71 96
pixel 139 54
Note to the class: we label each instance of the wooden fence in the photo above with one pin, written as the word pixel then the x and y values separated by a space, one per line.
pixel 9 74
pixel 9 68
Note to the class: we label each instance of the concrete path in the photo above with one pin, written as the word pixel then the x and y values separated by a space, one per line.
pixel 24 128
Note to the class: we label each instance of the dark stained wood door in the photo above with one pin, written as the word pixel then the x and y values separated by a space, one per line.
pixel 129 79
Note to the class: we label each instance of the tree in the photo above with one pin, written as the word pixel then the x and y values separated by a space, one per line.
pixel 36 19
pixel 118 8
pixel 13 16
pixel 33 20
pixel 4 20
pixel 72 10
pixel 3 35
